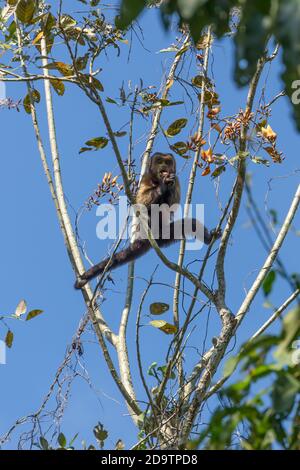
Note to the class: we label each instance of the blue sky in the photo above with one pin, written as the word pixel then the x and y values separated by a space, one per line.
pixel 35 265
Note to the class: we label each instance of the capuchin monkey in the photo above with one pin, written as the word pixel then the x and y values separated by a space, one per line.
pixel 160 189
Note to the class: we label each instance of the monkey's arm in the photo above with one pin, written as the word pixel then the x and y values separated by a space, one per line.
pixel 154 192
pixel 180 229
pixel 209 235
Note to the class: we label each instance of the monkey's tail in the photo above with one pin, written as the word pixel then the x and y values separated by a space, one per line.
pixel 132 252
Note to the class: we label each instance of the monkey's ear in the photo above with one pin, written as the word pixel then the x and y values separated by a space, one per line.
pixel 153 157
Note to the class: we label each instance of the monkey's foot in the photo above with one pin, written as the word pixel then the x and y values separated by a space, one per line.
pixel 80 282
pixel 216 233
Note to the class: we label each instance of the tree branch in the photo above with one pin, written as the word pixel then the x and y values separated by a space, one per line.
pixel 275 315
pixel 94 312
pixel 159 109
pixel 270 259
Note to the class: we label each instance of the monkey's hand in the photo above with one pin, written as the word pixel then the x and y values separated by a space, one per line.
pixel 211 235
pixel 80 282
pixel 168 179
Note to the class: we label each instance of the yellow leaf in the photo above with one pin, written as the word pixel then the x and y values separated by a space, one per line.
pixel 164 326
pixel 206 171
pixel 268 133
pixel 58 86
pixel 207 155
pixel 38 37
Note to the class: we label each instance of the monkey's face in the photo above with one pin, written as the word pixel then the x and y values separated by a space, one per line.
pixel 163 167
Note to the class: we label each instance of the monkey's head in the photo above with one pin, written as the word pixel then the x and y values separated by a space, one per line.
pixel 163 168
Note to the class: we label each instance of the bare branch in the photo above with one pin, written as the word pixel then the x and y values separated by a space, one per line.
pixel 159 109
pixel 271 258
pixel 218 385
pixel 239 184
pixel 192 176
pixel 275 315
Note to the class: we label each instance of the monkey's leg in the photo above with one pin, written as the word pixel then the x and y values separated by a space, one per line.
pixel 183 228
pixel 132 252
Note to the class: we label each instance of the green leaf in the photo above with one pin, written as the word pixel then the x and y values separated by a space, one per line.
pixel 290 332
pixel 100 433
pixel 44 443
pixel 287 32
pixel 130 9
pixel 230 365
pixel 9 338
pixel 110 100
pixel 25 10
pixel 151 369
pixel 64 69
pixel 176 127
pixel 240 388
pixel 85 149
pixel 218 171
pixel 33 314
pixel 12 28
pixel 158 308
pixel 58 86
pixel 66 21
pixel 62 440
pixel 97 142
pixel 48 22
pixel 91 81
pixel 35 98
pixel 73 440
pixel 198 81
pixel 284 393
pixel 180 148
pixel 253 30
pixel 261 343
pixel 199 14
pixel 268 283
pixel 97 84
pixel 81 62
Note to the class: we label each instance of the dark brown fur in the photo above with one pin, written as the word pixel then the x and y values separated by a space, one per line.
pixel 159 185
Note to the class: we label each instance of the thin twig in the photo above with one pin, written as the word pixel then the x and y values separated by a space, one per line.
pixel 275 315
pixel 218 385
